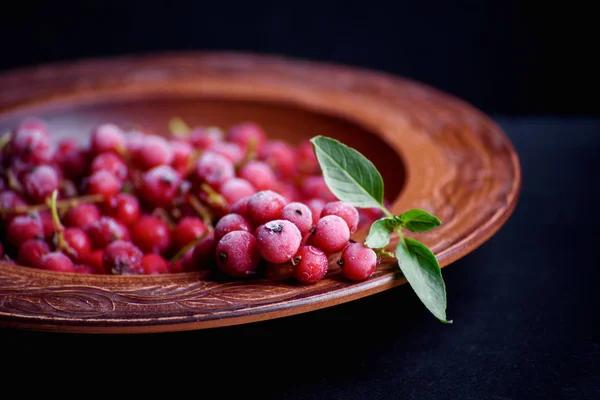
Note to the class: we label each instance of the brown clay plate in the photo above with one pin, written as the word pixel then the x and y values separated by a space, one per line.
pixel 435 152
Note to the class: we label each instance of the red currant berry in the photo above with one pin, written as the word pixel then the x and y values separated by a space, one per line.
pixel 358 262
pixel 110 162
pixel 107 137
pixel 123 207
pixel 159 186
pixel 123 258
pixel 40 183
pixel 312 266
pixel 25 227
pixel 103 183
pixel 30 253
pixel 57 262
pixel 151 234
pixel 82 215
pixel 244 133
pixel 31 142
pixel 105 231
pixel 78 242
pixel 259 174
pixel 154 264
pixel 187 230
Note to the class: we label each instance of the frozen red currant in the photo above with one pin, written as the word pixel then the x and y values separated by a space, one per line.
pixel 187 230
pixel 31 142
pixel 204 252
pixel 265 206
pixel 259 174
pixel 343 210
pixel 123 207
pixel 331 234
pixel 315 186
pixel 231 151
pixel 82 215
pixel 204 138
pixel 123 258
pixel 159 186
pixel 300 215
pixel 237 254
pixel 236 189
pixel 230 223
pixel 40 183
pixel 154 264
pixel 110 162
pixel 358 261
pixel 306 159
pixel 103 183
pixel 105 231
pixel 213 169
pixel 31 252
pixel 240 207
pixel 94 259
pixel 311 265
pixel 154 151
pixel 107 137
pixel 151 234
pixel 280 156
pixel 56 261
pixel 25 227
pixel 78 242
pixel 245 133
pixel 278 241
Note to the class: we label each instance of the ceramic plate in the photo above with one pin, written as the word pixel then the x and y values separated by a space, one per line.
pixel 434 151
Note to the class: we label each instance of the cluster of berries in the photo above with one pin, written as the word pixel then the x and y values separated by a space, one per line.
pixel 134 202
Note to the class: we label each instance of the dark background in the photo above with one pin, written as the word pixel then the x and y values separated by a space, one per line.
pixel 524 304
pixel 507 56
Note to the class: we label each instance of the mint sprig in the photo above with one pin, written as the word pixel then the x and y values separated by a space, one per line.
pixel 352 178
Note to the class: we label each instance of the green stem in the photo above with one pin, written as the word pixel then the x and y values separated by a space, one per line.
pixel 179 128
pixel 189 246
pixel 214 198
pixel 202 212
pixel 250 153
pixel 4 140
pixel 386 212
pixel 383 252
pixel 60 204
pixel 58 226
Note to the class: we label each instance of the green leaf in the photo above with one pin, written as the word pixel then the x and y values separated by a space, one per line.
pixel 422 271
pixel 379 233
pixel 350 176
pixel 418 221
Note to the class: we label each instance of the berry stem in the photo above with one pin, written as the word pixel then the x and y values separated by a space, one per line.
pixel 179 128
pixel 62 244
pixel 250 153
pixel 4 140
pixel 60 204
pixel 188 246
pixel 383 252
pixel 202 211
pixel 13 182
pixel 164 215
pixel 214 198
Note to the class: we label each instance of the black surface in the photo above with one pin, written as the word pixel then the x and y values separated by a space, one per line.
pixel 523 306
pixel 507 56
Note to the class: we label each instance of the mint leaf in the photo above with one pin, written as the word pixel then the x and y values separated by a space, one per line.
pixel 350 176
pixel 422 271
pixel 379 234
pixel 418 221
